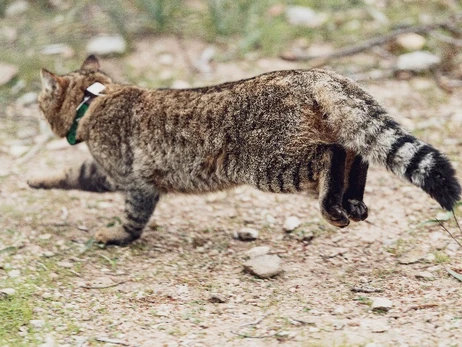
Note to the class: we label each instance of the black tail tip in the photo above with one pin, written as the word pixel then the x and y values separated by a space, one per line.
pixel 442 184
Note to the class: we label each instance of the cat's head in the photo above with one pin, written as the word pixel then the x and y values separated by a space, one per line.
pixel 61 95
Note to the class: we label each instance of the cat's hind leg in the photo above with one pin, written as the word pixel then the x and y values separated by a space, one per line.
pixel 331 186
pixel 353 196
pixel 86 176
pixel 139 206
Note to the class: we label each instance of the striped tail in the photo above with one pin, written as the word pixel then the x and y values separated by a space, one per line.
pixel 364 127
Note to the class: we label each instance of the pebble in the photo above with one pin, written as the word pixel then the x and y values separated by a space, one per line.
pixel 37 323
pixel 339 310
pixel 107 45
pixel 425 275
pixel 264 266
pixel 411 257
pixel 165 59
pixel 257 251
pixel 411 41
pixel 8 291
pixel 58 49
pixel 7 73
pixel 246 234
pixel 14 273
pixel 217 299
pixel 16 8
pixel 381 304
pixel 27 99
pixel 417 61
pixel 305 16
pixel 65 264
pixel 291 223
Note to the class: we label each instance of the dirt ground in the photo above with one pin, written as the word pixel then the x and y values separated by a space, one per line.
pixel 183 283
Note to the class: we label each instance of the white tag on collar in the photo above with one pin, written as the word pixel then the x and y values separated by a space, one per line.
pixel 96 88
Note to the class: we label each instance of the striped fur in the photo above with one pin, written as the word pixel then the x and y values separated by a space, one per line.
pixel 281 132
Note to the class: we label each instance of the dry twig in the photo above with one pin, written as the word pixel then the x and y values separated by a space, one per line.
pixel 115 342
pixel 375 41
pixel 104 287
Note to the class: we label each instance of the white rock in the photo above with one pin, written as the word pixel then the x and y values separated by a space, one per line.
pixel 16 8
pixel 305 16
pixel 27 99
pixel 58 49
pixel 165 59
pixel 18 150
pixel 37 323
pixel 425 275
pixel 411 257
pixel 65 264
pixel 291 223
pixel 381 304
pixel 411 41
pixel 8 291
pixel 264 266
pixel 456 118
pixel 7 73
pixel 246 234
pixel 107 45
pixel 257 251
pixel 14 273
pixel 180 84
pixel 339 310
pixel 417 61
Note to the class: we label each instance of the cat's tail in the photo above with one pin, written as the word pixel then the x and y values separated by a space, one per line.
pixel 363 126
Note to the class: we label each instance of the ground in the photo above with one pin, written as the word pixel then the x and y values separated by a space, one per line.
pixel 183 284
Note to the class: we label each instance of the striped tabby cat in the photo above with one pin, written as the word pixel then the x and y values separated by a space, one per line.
pixel 281 132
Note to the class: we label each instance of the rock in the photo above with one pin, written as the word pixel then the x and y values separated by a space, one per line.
pixel 107 45
pixel 27 99
pixel 339 310
pixel 180 84
pixel 257 251
pixel 305 16
pixel 417 61
pixel 375 325
pixel 381 304
pixel 411 41
pixel 264 266
pixel 7 73
pixel 411 257
pixel 18 150
pixel 58 49
pixel 14 273
pixel 37 323
pixel 217 299
pixel 246 234
pixel 9 34
pixel 65 264
pixel 291 223
pixel 8 291
pixel 16 8
pixel 456 118
pixel 165 59
pixel 425 275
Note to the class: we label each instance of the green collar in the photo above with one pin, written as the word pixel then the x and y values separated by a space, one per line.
pixel 90 93
pixel 72 134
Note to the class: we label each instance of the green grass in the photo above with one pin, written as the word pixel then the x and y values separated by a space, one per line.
pixel 15 312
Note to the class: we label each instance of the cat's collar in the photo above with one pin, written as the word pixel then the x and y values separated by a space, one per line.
pixel 90 93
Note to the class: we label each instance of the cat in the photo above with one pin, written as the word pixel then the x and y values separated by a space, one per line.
pixel 281 132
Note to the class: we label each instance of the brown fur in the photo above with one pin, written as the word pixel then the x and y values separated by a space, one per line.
pixel 274 132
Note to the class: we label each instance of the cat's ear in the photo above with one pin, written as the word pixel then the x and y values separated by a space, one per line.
pixel 91 63
pixel 50 81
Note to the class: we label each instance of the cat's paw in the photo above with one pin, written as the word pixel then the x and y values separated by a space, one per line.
pixel 356 209
pixel 114 236
pixel 336 215
pixel 37 182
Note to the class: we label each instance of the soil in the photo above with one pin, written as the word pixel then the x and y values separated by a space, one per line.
pixel 183 284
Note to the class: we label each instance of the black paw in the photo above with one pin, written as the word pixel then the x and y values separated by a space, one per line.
pixel 356 210
pixel 336 215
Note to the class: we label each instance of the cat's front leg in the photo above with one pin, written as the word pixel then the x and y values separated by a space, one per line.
pixel 331 187
pixel 139 206
pixel 353 196
pixel 86 176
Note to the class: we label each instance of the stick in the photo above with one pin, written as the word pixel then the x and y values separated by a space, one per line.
pixel 258 321
pixel 442 225
pixel 104 287
pixel 34 150
pixel 115 342
pixel 375 41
